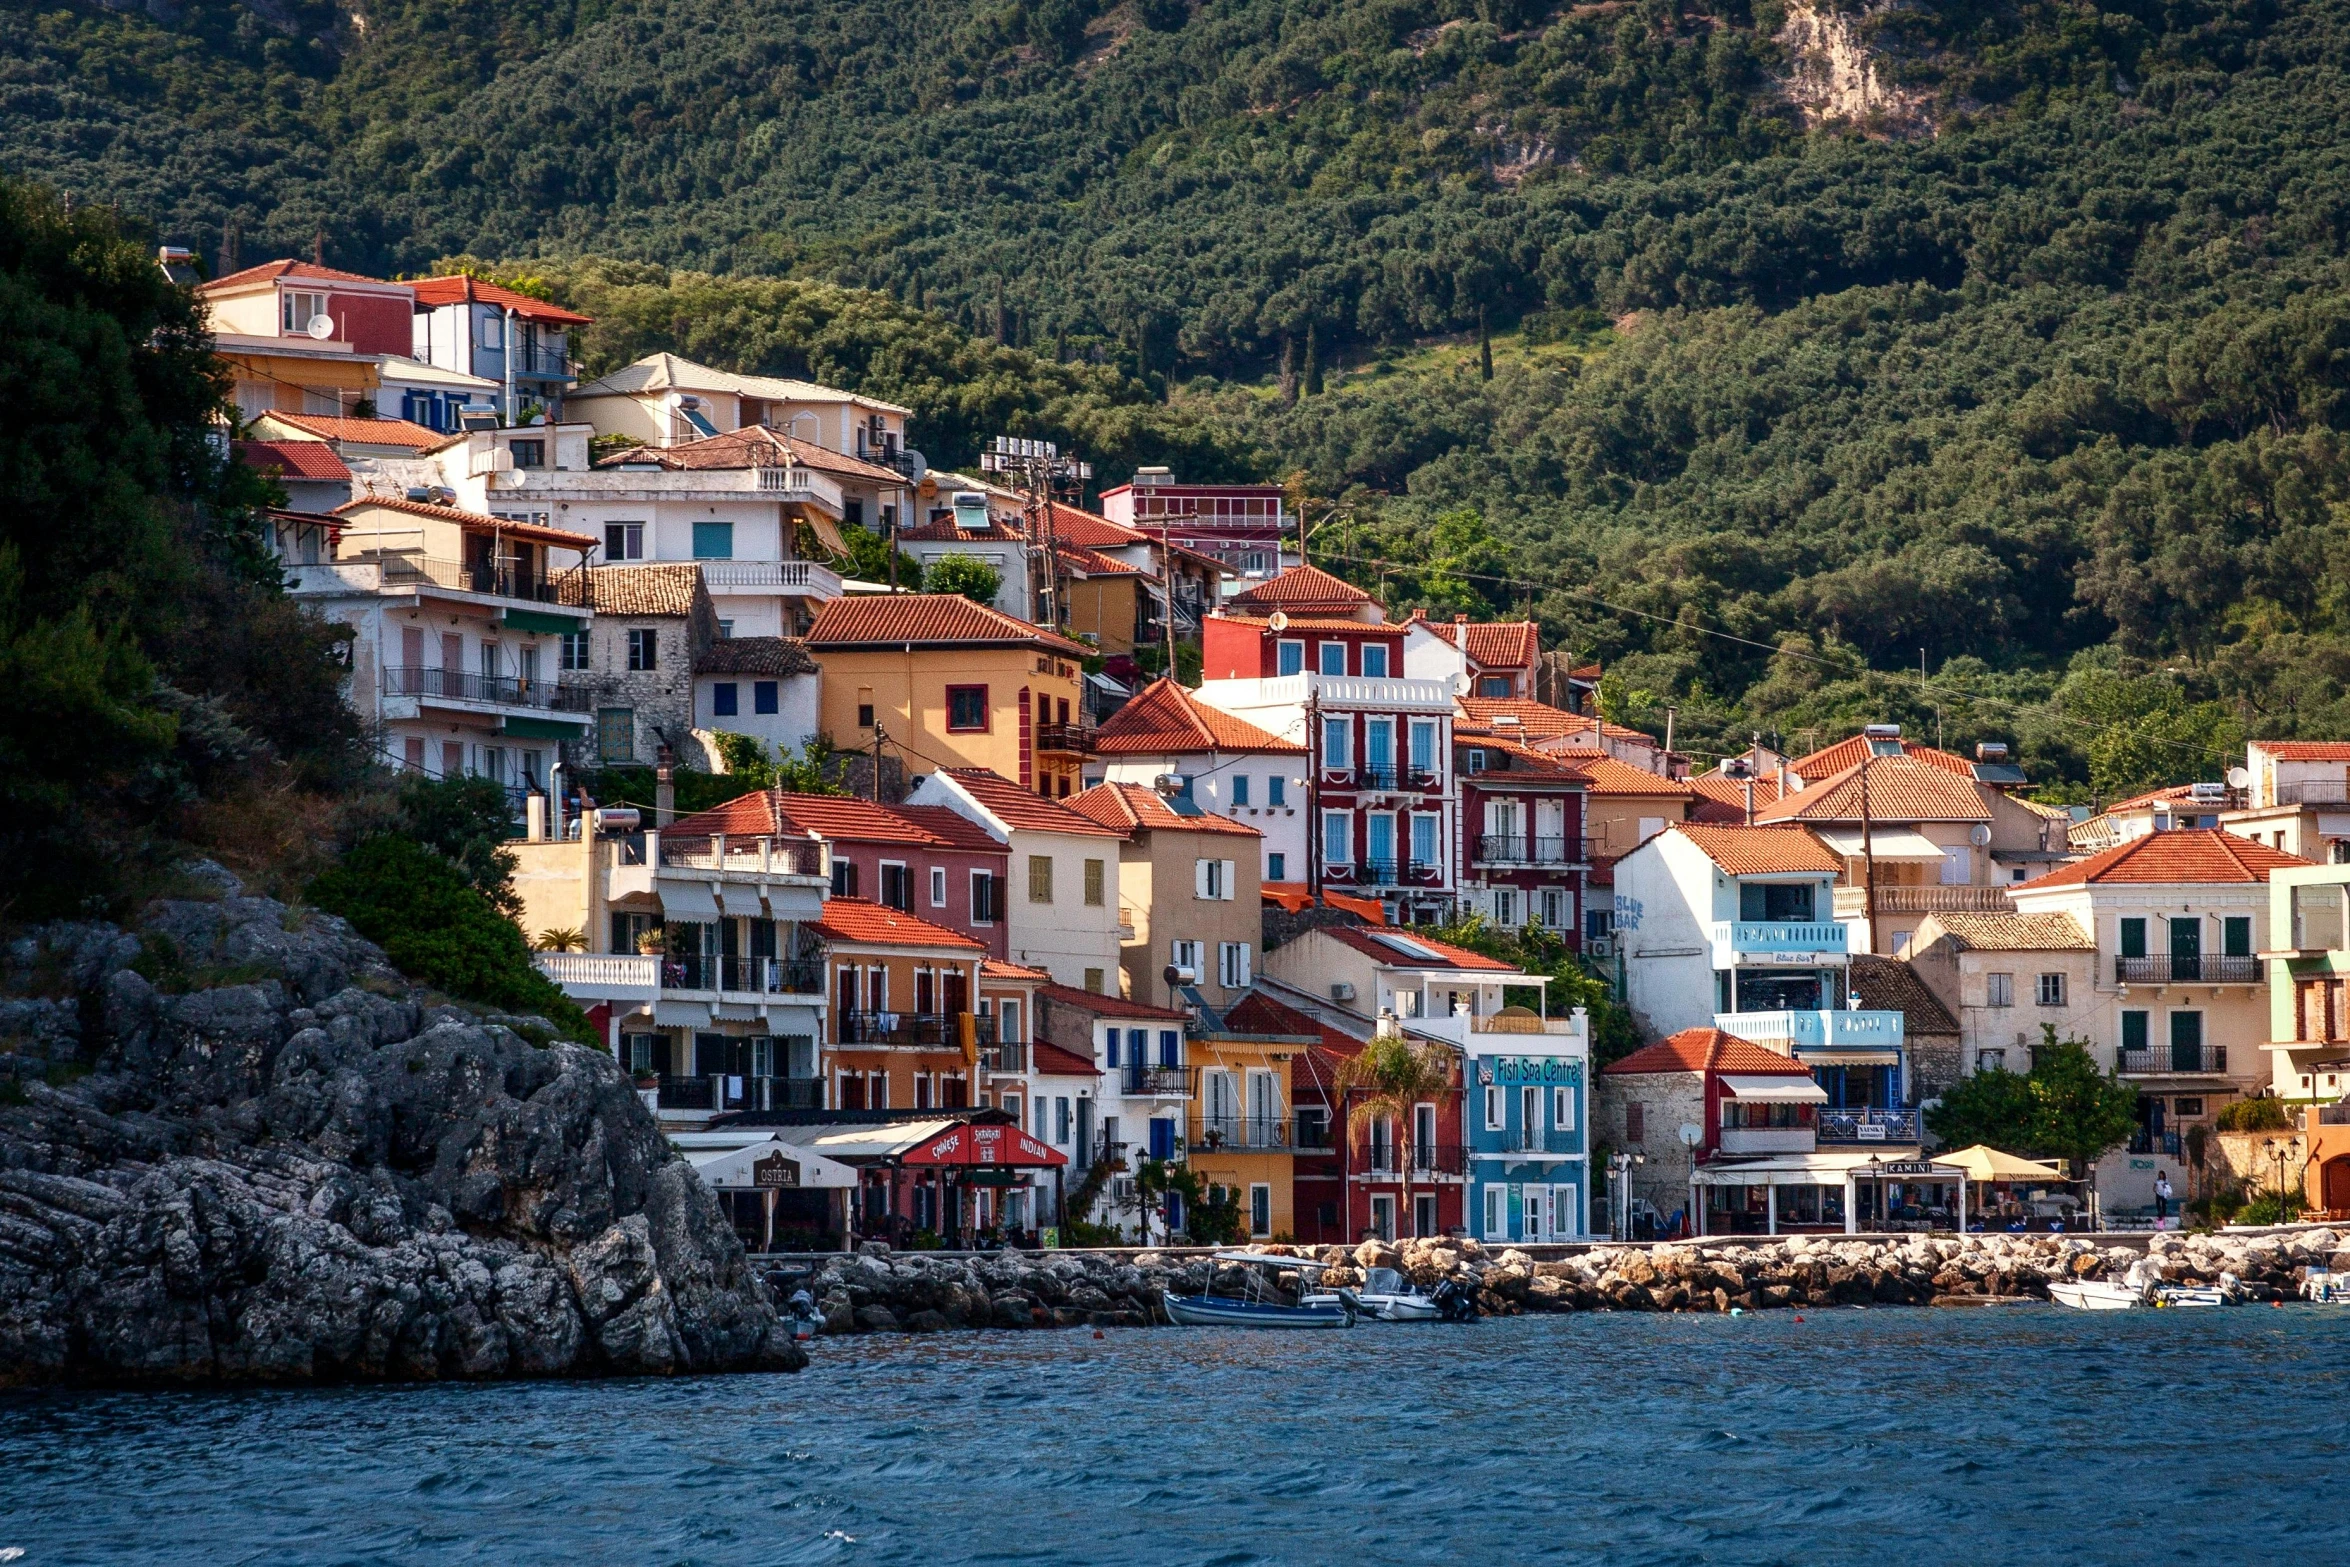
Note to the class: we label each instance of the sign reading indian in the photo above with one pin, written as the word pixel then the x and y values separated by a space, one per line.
pixel 984 1143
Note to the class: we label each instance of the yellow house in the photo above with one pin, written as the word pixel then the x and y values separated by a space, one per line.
pixel 1241 1136
pixel 943 682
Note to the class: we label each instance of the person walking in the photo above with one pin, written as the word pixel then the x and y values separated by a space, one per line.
pixel 2162 1199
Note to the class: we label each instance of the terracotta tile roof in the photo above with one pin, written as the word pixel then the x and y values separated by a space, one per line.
pixel 1380 945
pixel 756 656
pixel 1890 985
pixel 437 291
pixel 527 532
pixel 997 968
pixel 294 459
pixel 1901 789
pixel 278 269
pixel 665 372
pixel 1258 1013
pixel 364 432
pixel 2009 932
pixel 1732 791
pixel 841 818
pixel 1165 718
pixel 2305 750
pixel 1130 808
pixel 651 589
pixel 947 531
pixel 1609 776
pixel 1101 1005
pixel 1762 851
pixel 1052 1061
pixel 1721 801
pixel 1296 897
pixel 2150 797
pixel 954 829
pixel 752 446
pixel 1523 758
pixel 1845 753
pixel 1022 808
pixel 1089 531
pixel 1092 563
pixel 1301 585
pixel 1706 1050
pixel 1536 720
pixel 1490 644
pixel 858 920
pixel 1304 622
pixel 2190 854
pixel 926 620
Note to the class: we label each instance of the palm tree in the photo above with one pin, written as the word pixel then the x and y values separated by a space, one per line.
pixel 1386 1081
pixel 563 941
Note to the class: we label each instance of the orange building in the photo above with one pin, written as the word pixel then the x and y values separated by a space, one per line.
pixel 905 1035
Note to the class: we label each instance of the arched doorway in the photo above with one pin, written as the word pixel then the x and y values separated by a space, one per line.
pixel 2334 1184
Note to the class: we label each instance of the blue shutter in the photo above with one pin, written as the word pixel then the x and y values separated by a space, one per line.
pixel 1162 1138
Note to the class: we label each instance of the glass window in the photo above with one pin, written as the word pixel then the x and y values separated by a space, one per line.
pixel 1289 658
pixel 967 707
pixel 2317 917
pixel 300 310
pixel 1332 656
pixel 575 650
pixel 713 541
pixel 1375 660
pixel 938 887
pixel 624 541
pixel 725 699
pixel 764 696
pixel 2052 990
pixel 529 453
pixel 644 649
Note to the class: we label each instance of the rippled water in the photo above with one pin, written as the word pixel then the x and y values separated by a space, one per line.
pixel 1887 1437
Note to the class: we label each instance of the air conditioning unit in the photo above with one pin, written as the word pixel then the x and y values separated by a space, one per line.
pixel 1342 991
pixel 1600 946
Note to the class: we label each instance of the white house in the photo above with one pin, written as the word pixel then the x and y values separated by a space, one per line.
pixel 1063 900
pixel 764 687
pixel 1226 765
pixel 667 400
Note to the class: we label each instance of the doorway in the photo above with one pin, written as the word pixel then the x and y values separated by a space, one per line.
pixel 1383 1218
pixel 1424 1213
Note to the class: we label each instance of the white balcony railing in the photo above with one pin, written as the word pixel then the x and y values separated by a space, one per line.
pixel 803 578
pixel 1740 942
pixel 1816 1030
pixel 1853 902
pixel 602 975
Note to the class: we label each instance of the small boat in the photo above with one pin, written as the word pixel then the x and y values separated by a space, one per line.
pixel 1387 1296
pixel 1257 1308
pixel 2142 1287
pixel 2326 1287
pixel 2097 1295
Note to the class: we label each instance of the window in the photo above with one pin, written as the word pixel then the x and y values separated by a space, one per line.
pixel 644 649
pixel 1060 1120
pixel 2186 1107
pixel 624 541
pixel 1999 990
pixel 2133 933
pixel 1338 840
pixel 844 883
pixel 1040 878
pixel 1505 906
pixel 1554 909
pixel 1424 840
pixel 575 650
pixel 1379 750
pixel 1375 660
pixel 726 631
pixel 1095 890
pixel 2135 1038
pixel 1493 685
pixel 986 898
pixel 1562 1109
pixel 1636 1122
pixel 1232 965
pixel 1008 1028
pixel 300 310
pixel 1473 759
pixel 1185 955
pixel 1240 788
pixel 1497 1213
pixel 1111 1048
pixel 725 700
pixel 967 707
pixel 2317 917
pixel 1330 657
pixel 493 330
pixel 1337 743
pixel 1423 753
pixel 529 454
pixel 1289 658
pixel 616 736
pixel 1213 879
pixel 897 891
pixel 1276 790
pixel 1277 867
pixel 1958 865
pixel 1382 840
pixel 1990 1060
pixel 2236 936
pixel 1495 1116
pixel 764 697
pixel 1260 1209
pixel 938 887
pixel 2051 990
pixel 1093 980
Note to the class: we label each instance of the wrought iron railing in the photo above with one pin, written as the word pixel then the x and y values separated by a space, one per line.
pixel 1241 1134
pixel 1076 739
pixel 2157 1060
pixel 2202 968
pixel 757 976
pixel 499 581
pixel 499 690
pixel 1165 1081
pixel 1518 1139
pixel 914 1030
pixel 1522 849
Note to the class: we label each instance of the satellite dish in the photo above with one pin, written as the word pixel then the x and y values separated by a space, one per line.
pixel 1280 620
pixel 322 327
pixel 2239 778
pixel 1691 1134
pixel 914 465
pixel 1979 835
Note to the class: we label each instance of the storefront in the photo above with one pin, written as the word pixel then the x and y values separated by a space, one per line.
pixel 951 1183
pixel 779 1196
pixel 1829 1193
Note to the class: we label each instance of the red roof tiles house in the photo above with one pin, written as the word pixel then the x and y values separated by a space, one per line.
pixel 1302 586
pixel 2305 750
pixel 437 291
pixel 1103 1005
pixel 363 432
pixel 874 925
pixel 997 968
pixel 1130 808
pixel 1089 530
pixel 644 588
pixel 1301 621
pixel 1393 948
pixel 843 818
pixel 293 459
pixel 1490 644
pixel 1762 851
pixel 1901 789
pixel 1523 757
pixel 1018 807
pixel 1052 1061
pixel 526 532
pixel 293 269
pixel 2194 854
pixel 1606 775
pixel 1163 718
pixel 1258 1013
pixel 1706 1050
pixel 752 446
pixel 1845 753
pixel 1535 720
pixel 884 620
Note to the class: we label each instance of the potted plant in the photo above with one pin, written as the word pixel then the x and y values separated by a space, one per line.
pixel 652 942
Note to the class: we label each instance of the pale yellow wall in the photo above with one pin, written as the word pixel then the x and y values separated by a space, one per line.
pixel 1104 607
pixel 247 313
pixel 909 696
pixel 1612 821
pixel 1241 1170
pixel 551 880
pixel 1158 884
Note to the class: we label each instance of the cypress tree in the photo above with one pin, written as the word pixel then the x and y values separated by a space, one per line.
pixel 1002 336
pixel 1484 345
pixel 1288 371
pixel 1313 361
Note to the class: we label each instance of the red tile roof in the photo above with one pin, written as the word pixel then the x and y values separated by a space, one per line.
pixel 1524 759
pixel 2305 750
pixel 1440 954
pixel 438 291
pixel 364 432
pixel 294 459
pixel 841 818
pixel 1163 718
pixel 1130 808
pixel 2192 854
pixel 527 532
pixel 1845 753
pixel 1303 622
pixel 1022 808
pixel 953 828
pixel 883 620
pixel 1609 776
pixel 752 446
pixel 1732 791
pixel 1087 530
pixel 643 588
pixel 1052 1061
pixel 1102 1005
pixel 278 269
pixel 1092 563
pixel 1306 585
pixel 1536 720
pixel 1901 789
pixel 1490 644
pixel 872 924
pixel 1258 1013
pixel 997 968
pixel 1762 851
pixel 1706 1050
pixel 1296 897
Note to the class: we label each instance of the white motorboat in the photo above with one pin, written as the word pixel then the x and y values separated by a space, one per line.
pixel 2326 1287
pixel 2142 1287
pixel 1386 1296
pixel 2097 1295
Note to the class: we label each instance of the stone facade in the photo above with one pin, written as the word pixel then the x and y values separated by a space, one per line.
pixel 1661 1103
pixel 641 704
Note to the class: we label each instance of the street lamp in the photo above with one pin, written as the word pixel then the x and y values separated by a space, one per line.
pixel 1877 1175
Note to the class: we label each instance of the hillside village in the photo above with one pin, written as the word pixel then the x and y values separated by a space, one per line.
pixel 1080 950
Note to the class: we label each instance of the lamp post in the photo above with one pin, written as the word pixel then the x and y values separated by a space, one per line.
pixel 1877 1175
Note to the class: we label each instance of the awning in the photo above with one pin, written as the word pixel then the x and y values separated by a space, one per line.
pixel 982 1144
pixel 771 1165
pixel 1775 1090
pixel 689 901
pixel 826 534
pixel 1982 1162
pixel 741 900
pixel 1888 843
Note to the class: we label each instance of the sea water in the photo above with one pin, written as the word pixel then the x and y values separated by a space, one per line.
pixel 1887 1437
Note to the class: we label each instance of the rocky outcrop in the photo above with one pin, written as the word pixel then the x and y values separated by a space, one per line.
pixel 917 1293
pixel 236 1146
pixel 1836 76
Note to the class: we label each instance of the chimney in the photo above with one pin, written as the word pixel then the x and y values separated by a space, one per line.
pixel 534 816
pixel 665 789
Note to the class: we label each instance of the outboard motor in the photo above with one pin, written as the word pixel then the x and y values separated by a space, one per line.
pixel 1455 1301
pixel 801 1313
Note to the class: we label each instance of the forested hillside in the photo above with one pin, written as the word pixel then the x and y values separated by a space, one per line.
pixel 2018 351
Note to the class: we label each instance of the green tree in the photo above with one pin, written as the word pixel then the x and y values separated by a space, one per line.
pixel 1539 951
pixel 468 822
pixel 747 760
pixel 968 575
pixel 2064 1108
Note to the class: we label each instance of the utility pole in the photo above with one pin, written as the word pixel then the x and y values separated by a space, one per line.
pixel 1868 853
pixel 879 735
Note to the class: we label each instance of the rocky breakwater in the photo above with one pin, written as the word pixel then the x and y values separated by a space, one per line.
pixel 235 1146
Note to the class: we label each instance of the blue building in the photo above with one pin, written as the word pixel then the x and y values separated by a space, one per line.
pixel 1528 1110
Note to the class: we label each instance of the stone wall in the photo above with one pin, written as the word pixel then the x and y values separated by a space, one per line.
pixel 1668 1101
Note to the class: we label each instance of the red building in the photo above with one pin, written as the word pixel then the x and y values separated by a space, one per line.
pixel 1524 853
pixel 923 860
pixel 1238 524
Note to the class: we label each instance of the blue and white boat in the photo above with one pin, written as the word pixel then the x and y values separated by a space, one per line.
pixel 1256 1308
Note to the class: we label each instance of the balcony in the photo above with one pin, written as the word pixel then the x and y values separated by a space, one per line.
pixel 593 976
pixel 1157 1082
pixel 1241 1134
pixel 913 1030
pixel 2173 1061
pixel 1535 1036
pixel 542 362
pixel 2314 791
pixel 1010 1055
pixel 503 580
pixel 1816 1030
pixel 1867 1126
pixel 428 684
pixel 1386 873
pixel 1852 903
pixel 2188 968
pixel 1520 849
pixel 1310 1133
pixel 703 973
pixel 1067 739
pixel 1519 1140
pixel 743 856
pixel 792 578
pixel 715 1092
pixel 1740 943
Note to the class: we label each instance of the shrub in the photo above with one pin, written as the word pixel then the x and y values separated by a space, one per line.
pixel 975 579
pixel 440 930
pixel 2255 1115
